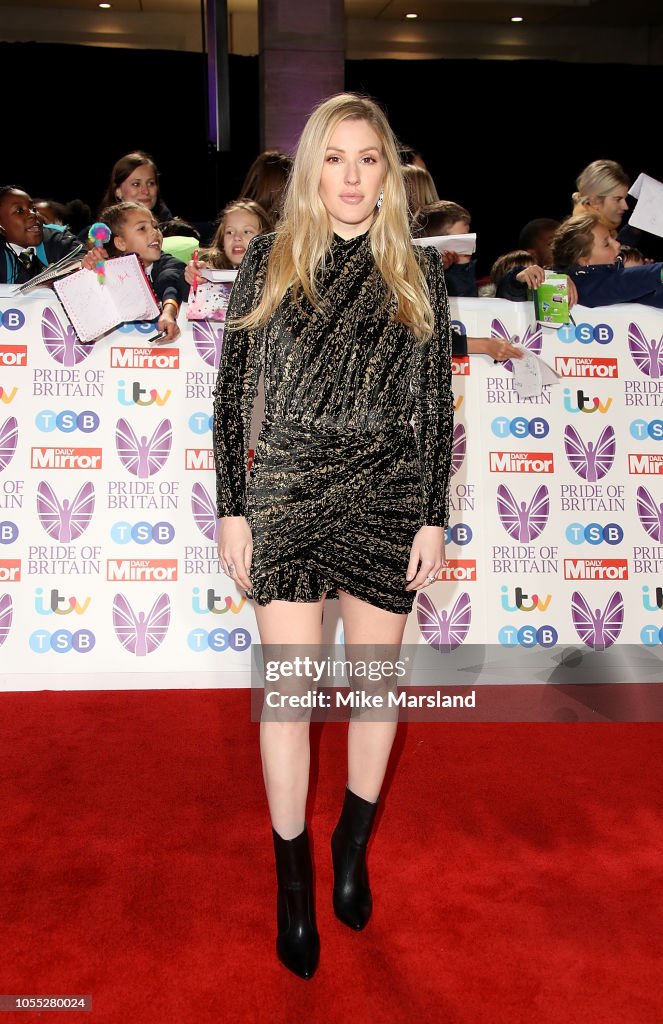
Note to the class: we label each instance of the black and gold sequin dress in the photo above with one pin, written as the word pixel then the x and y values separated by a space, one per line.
pixel 340 481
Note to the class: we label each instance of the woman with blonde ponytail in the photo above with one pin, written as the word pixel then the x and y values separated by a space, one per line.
pixel 349 323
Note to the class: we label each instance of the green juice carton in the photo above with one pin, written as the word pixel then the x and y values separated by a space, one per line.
pixel 551 299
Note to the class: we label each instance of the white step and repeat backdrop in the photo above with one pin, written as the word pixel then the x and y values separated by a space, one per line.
pixel 108 568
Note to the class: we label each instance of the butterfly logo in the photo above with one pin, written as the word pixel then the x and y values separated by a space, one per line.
pixel 458 448
pixel 60 341
pixel 8 441
pixel 208 341
pixel 64 520
pixel 590 461
pixel 598 629
pixel 647 355
pixel 141 634
pixel 443 630
pixel 5 617
pixel 204 512
pixel 143 458
pixel 532 339
pixel 524 522
pixel 651 514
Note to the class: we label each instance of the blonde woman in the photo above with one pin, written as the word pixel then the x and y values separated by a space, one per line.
pixel 350 324
pixel 602 188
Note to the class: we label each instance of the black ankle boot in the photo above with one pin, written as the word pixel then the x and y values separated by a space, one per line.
pixel 352 896
pixel 297 942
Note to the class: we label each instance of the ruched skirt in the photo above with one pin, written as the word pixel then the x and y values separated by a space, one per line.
pixel 333 509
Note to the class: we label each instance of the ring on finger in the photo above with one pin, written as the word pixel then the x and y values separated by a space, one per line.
pixel 430 579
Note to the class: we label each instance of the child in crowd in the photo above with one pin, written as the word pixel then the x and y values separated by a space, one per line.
pixel 585 248
pixel 518 258
pixel 536 237
pixel 239 222
pixel 180 239
pixel 26 246
pixel 134 230
pixel 447 218
pixel 630 256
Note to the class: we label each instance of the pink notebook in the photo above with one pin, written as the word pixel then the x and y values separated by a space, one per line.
pixel 94 309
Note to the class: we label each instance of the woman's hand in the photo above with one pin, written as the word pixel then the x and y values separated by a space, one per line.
pixel 572 292
pixel 495 347
pixel 426 557
pixel 191 275
pixel 92 257
pixel 236 549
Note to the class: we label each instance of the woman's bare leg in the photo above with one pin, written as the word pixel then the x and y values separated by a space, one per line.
pixel 284 745
pixel 370 742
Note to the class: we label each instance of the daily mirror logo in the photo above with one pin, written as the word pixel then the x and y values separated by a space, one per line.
pixel 126 358
pixel 10 570
pixel 595 569
pixel 66 458
pixel 521 462
pixel 587 366
pixel 13 355
pixel 141 570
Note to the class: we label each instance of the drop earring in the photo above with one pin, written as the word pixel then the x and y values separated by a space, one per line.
pixel 380 199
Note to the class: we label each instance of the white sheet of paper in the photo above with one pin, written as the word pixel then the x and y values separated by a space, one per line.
pixel 648 212
pixel 464 245
pixel 530 374
pixel 210 274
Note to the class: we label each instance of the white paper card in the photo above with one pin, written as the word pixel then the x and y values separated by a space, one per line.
pixel 464 245
pixel 530 374
pixel 648 212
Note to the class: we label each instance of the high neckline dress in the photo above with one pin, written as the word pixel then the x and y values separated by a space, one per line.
pixel 354 452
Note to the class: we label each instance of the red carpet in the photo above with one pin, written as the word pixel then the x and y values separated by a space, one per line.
pixel 517 869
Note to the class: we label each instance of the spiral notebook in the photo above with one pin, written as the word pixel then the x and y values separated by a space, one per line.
pixel 70 262
pixel 94 308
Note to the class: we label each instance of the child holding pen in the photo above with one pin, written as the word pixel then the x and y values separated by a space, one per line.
pixel 238 223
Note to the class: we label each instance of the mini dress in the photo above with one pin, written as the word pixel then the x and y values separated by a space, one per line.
pixel 354 451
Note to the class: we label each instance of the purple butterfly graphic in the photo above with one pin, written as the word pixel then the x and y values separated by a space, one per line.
pixel 647 355
pixel 141 634
pixel 651 514
pixel 458 448
pixel 60 341
pixel 204 512
pixel 532 339
pixel 598 629
pixel 8 441
pixel 521 521
pixel 590 461
pixel 5 617
pixel 141 457
pixel 208 340
pixel 64 520
pixel 444 631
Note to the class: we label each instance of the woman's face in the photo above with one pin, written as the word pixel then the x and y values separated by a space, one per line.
pixel 239 228
pixel 352 175
pixel 139 187
pixel 19 220
pixel 140 234
pixel 605 250
pixel 612 207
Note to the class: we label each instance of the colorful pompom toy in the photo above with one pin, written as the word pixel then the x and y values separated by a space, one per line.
pixel 99 234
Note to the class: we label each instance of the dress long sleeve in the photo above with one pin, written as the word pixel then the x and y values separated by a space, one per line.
pixel 241 363
pixel 434 408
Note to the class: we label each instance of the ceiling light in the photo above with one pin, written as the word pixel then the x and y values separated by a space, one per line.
pixel 104 6
pixel 411 15
pixel 516 19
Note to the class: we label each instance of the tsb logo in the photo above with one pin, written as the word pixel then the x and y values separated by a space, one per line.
pixel 528 636
pixel 586 334
pixel 219 640
pixel 520 427
pixel 67 421
pixel 12 320
pixel 142 533
pixel 594 533
pixel 460 533
pixel 641 430
pixel 62 641
pixel 8 532
pixel 200 422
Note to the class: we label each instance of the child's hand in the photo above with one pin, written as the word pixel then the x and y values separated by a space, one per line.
pixel 532 276
pixel 168 323
pixel 191 275
pixel 449 258
pixel 572 292
pixel 92 257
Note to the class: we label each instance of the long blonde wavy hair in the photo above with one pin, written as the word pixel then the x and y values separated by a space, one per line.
pixel 304 233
